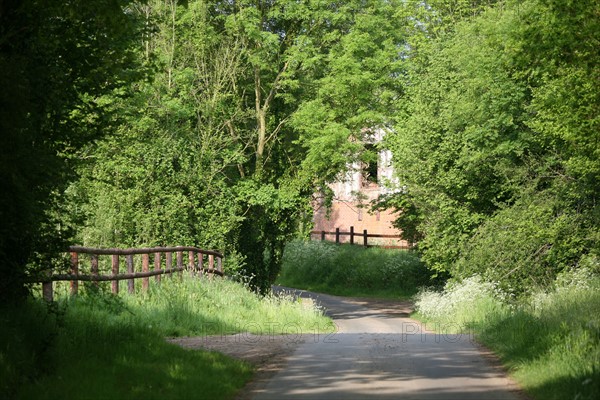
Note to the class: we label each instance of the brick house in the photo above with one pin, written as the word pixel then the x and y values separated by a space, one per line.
pixel 353 193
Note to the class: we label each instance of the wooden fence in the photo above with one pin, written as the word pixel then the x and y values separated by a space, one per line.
pixel 195 264
pixel 365 237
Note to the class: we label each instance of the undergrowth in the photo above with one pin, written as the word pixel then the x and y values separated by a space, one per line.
pixel 351 270
pixel 550 341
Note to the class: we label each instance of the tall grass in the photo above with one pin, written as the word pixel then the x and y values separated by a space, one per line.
pixel 98 345
pixel 550 341
pixel 351 270
pixel 184 307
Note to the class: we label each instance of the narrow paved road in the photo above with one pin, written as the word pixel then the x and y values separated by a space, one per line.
pixel 380 353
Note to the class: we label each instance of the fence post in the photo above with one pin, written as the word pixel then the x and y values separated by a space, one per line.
pixel 115 271
pixel 191 258
pixel 351 235
pixel 322 236
pixel 74 271
pixel 157 266
pixel 169 262
pixel 211 266
pixel 337 235
pixel 47 287
pixel 365 238
pixel 130 282
pixel 180 261
pixel 94 268
pixel 145 268
pixel 200 264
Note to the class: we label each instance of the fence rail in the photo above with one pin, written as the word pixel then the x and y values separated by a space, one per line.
pixel 195 265
pixel 365 235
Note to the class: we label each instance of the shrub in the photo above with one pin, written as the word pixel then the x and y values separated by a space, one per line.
pixel 525 246
pixel 461 304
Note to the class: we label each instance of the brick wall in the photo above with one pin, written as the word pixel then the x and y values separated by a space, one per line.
pixel 343 215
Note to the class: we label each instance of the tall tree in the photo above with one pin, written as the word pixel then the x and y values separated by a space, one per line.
pixel 322 73
pixel 57 60
pixel 497 145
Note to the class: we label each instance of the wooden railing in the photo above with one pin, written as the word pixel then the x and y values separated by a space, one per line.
pixel 365 236
pixel 195 264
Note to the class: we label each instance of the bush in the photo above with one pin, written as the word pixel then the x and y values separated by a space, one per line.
pixel 461 305
pixel 524 246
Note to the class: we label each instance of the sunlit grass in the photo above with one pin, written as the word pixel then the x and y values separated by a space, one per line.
pixel 352 270
pixel 197 307
pixel 99 345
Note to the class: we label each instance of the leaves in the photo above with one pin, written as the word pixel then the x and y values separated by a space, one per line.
pixel 61 64
pixel 250 106
pixel 486 143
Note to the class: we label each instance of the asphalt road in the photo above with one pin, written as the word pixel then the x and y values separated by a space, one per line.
pixel 380 353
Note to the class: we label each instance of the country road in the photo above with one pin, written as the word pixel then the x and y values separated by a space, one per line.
pixel 378 352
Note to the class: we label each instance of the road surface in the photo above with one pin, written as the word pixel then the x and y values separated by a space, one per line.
pixel 378 352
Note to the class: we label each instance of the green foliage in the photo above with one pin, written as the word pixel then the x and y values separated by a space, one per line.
pixel 351 270
pixel 225 144
pixel 525 245
pixel 216 148
pixel 496 146
pixel 161 178
pixel 549 341
pixel 58 63
pixel 356 91
pixel 27 334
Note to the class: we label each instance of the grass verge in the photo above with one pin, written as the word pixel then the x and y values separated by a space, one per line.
pixel 103 346
pixel 550 341
pixel 348 270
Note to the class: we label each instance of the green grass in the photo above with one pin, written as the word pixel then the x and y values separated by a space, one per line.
pixel 347 270
pixel 103 346
pixel 550 342
pixel 198 307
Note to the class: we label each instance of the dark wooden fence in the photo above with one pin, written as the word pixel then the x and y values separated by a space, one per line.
pixel 365 237
pixel 194 263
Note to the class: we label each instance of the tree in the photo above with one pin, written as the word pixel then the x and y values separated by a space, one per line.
pixel 498 141
pixel 57 61
pixel 220 148
pixel 164 176
pixel 322 73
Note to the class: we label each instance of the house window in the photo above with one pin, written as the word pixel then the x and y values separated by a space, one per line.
pixel 371 165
